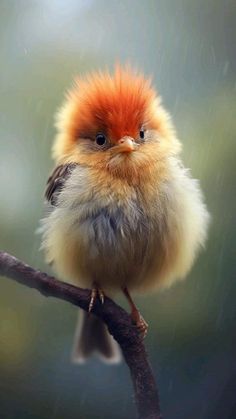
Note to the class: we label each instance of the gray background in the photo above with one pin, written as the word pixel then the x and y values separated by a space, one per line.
pixel 189 48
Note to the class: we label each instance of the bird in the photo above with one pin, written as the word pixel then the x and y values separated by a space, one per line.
pixel 123 213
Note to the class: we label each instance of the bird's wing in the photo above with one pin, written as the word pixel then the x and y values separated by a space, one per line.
pixel 56 181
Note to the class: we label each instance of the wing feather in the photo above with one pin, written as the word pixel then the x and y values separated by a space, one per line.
pixel 57 180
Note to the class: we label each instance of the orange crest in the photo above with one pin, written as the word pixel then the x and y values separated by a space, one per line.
pixel 116 105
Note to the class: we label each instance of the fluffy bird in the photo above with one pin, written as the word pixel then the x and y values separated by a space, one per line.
pixel 124 214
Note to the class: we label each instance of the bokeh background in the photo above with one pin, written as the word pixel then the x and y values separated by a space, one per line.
pixel 189 48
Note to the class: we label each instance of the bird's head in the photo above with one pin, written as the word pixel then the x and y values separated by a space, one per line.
pixel 115 123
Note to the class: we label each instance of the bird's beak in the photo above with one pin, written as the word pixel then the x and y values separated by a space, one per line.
pixel 126 145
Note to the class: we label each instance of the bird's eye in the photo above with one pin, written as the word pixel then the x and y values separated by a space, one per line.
pixel 100 139
pixel 142 134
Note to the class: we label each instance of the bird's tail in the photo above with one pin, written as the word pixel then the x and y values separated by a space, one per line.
pixel 92 337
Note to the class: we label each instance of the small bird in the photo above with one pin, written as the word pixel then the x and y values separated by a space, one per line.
pixel 123 212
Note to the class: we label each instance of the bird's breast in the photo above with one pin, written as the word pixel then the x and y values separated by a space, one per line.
pixel 112 230
pixel 103 231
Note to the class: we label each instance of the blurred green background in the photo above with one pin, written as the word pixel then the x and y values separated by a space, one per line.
pixel 189 48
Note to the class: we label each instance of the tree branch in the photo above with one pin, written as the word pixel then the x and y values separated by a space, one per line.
pixel 118 322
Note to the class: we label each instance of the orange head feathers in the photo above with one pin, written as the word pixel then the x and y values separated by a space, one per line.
pixel 105 115
pixel 118 105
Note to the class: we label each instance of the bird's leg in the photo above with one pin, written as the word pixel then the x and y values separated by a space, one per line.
pixel 96 292
pixel 135 314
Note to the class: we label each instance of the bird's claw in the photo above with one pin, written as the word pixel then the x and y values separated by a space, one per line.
pixel 101 295
pixel 92 299
pixel 96 292
pixel 140 323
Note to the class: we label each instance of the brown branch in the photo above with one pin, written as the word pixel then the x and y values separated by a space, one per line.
pixel 118 322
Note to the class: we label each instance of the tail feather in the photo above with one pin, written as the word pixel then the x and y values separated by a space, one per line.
pixel 92 337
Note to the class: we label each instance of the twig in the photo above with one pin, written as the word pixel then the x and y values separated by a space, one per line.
pixel 118 322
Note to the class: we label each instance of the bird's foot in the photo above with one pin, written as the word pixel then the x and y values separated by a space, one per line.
pixel 136 317
pixel 96 293
pixel 139 321
pixel 101 295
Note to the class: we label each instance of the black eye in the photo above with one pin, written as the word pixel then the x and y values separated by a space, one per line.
pixel 141 134
pixel 100 139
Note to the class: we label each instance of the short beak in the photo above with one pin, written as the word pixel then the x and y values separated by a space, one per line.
pixel 126 145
